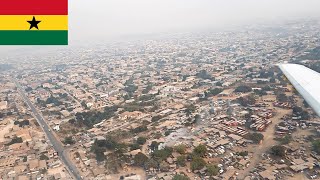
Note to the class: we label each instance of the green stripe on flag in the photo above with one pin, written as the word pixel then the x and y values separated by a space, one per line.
pixel 34 37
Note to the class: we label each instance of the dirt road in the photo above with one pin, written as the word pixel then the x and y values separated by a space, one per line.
pixel 267 143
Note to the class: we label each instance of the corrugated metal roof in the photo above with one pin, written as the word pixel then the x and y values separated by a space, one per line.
pixel 306 82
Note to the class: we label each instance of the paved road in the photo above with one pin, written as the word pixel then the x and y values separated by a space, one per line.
pixel 53 140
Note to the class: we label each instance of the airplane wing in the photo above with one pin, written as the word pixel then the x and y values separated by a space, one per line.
pixel 306 82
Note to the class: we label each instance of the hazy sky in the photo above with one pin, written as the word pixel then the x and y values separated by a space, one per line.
pixel 113 18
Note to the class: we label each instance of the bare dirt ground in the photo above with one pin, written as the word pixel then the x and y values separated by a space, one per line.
pixel 267 143
pixel 299 176
pixel 5 128
pixel 130 170
pixel 61 170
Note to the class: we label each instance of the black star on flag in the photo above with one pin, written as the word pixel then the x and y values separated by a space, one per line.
pixel 34 23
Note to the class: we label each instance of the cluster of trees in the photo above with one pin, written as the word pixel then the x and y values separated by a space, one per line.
pixel 4 67
pixel 316 146
pixel 198 153
pixel 197 163
pixel 53 100
pixel 298 111
pixel 64 95
pixel 181 149
pixel 246 101
pixel 50 100
pixel 282 97
pixel 162 154
pixel 141 140
pixel 117 155
pixel 313 54
pixel 286 139
pixel 184 77
pixel 130 87
pixel 212 92
pixel 181 160
pixel 219 83
pixel 140 159
pixel 315 66
pixel 68 140
pixel 133 107
pixel 139 129
pixel 255 137
pixel 146 97
pixel 93 117
pixel 147 89
pixel 137 144
pixel 260 92
pixel 180 177
pixel 189 109
pixel 204 75
pixel 212 169
pixel 156 118
pixel 156 159
pixel 192 120
pixel 278 150
pixel 22 123
pixel 266 74
pixel 243 89
pixel 243 153
pixel 28 89
pixel 200 150
pixel 15 140
pixel 43 157
pixel 110 143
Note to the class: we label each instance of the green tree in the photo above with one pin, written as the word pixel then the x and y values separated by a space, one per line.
pixel 272 80
pixel 282 97
pixel 151 163
pixel 139 129
pixel 219 83
pixel 316 146
pixel 164 166
pixel 181 161
pixel 43 157
pixel 68 140
pixel 15 140
pixel 286 139
pixel 243 153
pixel 181 148
pixel 243 89
pixel 134 146
pixel 212 169
pixel 141 140
pixel 200 150
pixel 162 154
pixel 154 145
pixel 197 163
pixel 190 108
pixel 140 159
pixel 256 137
pixel 278 150
pixel 156 118
pixel 180 177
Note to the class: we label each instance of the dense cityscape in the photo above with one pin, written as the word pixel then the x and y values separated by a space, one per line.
pixel 211 105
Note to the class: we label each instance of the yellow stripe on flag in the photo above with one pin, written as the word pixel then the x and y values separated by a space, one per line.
pixel 20 22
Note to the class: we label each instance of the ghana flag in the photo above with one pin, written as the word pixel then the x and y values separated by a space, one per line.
pixel 33 22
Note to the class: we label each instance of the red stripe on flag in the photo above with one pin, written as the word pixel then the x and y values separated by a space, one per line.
pixel 33 7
